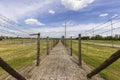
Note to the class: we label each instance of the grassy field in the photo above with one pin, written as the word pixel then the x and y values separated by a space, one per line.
pixel 94 55
pixel 17 41
pixel 19 54
pixel 103 41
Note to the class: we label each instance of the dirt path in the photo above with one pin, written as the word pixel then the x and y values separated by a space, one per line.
pixel 60 66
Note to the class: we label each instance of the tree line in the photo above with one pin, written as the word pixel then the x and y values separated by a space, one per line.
pixel 99 37
pixel 7 37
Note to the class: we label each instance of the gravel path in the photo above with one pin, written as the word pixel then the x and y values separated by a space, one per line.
pixel 60 66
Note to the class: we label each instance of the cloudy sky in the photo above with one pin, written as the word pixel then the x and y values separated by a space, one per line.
pixel 49 16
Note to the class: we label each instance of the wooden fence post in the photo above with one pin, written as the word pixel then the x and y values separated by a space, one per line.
pixel 21 41
pixel 51 43
pixel 105 64
pixel 55 42
pixel 79 50
pixel 71 46
pixel 47 45
pixel 38 50
pixel 10 70
pixel 63 40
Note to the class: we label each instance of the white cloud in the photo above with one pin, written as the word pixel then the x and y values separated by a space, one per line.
pixel 51 11
pixel 32 21
pixel 74 30
pixel 76 4
pixel 24 8
pixel 103 15
pixel 115 15
pixel 2 22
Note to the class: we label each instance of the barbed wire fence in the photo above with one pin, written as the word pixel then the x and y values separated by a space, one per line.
pixel 23 46
pixel 108 32
pixel 95 42
pixel 99 38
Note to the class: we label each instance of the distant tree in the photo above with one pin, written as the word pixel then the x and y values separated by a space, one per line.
pixel 119 37
pixel 116 37
pixel 1 38
pixel 108 38
pixel 85 37
pixel 76 38
pixel 97 37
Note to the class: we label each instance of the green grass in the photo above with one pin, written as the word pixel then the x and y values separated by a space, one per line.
pixel 19 55
pixel 103 41
pixel 16 41
pixel 94 55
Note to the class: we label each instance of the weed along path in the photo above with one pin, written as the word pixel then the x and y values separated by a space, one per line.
pixel 58 65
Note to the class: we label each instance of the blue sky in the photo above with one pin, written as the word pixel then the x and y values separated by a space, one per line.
pixel 48 16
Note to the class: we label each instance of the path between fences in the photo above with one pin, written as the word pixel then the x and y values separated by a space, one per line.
pixel 59 65
pixel 103 44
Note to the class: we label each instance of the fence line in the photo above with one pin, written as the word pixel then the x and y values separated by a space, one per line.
pixel 20 39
